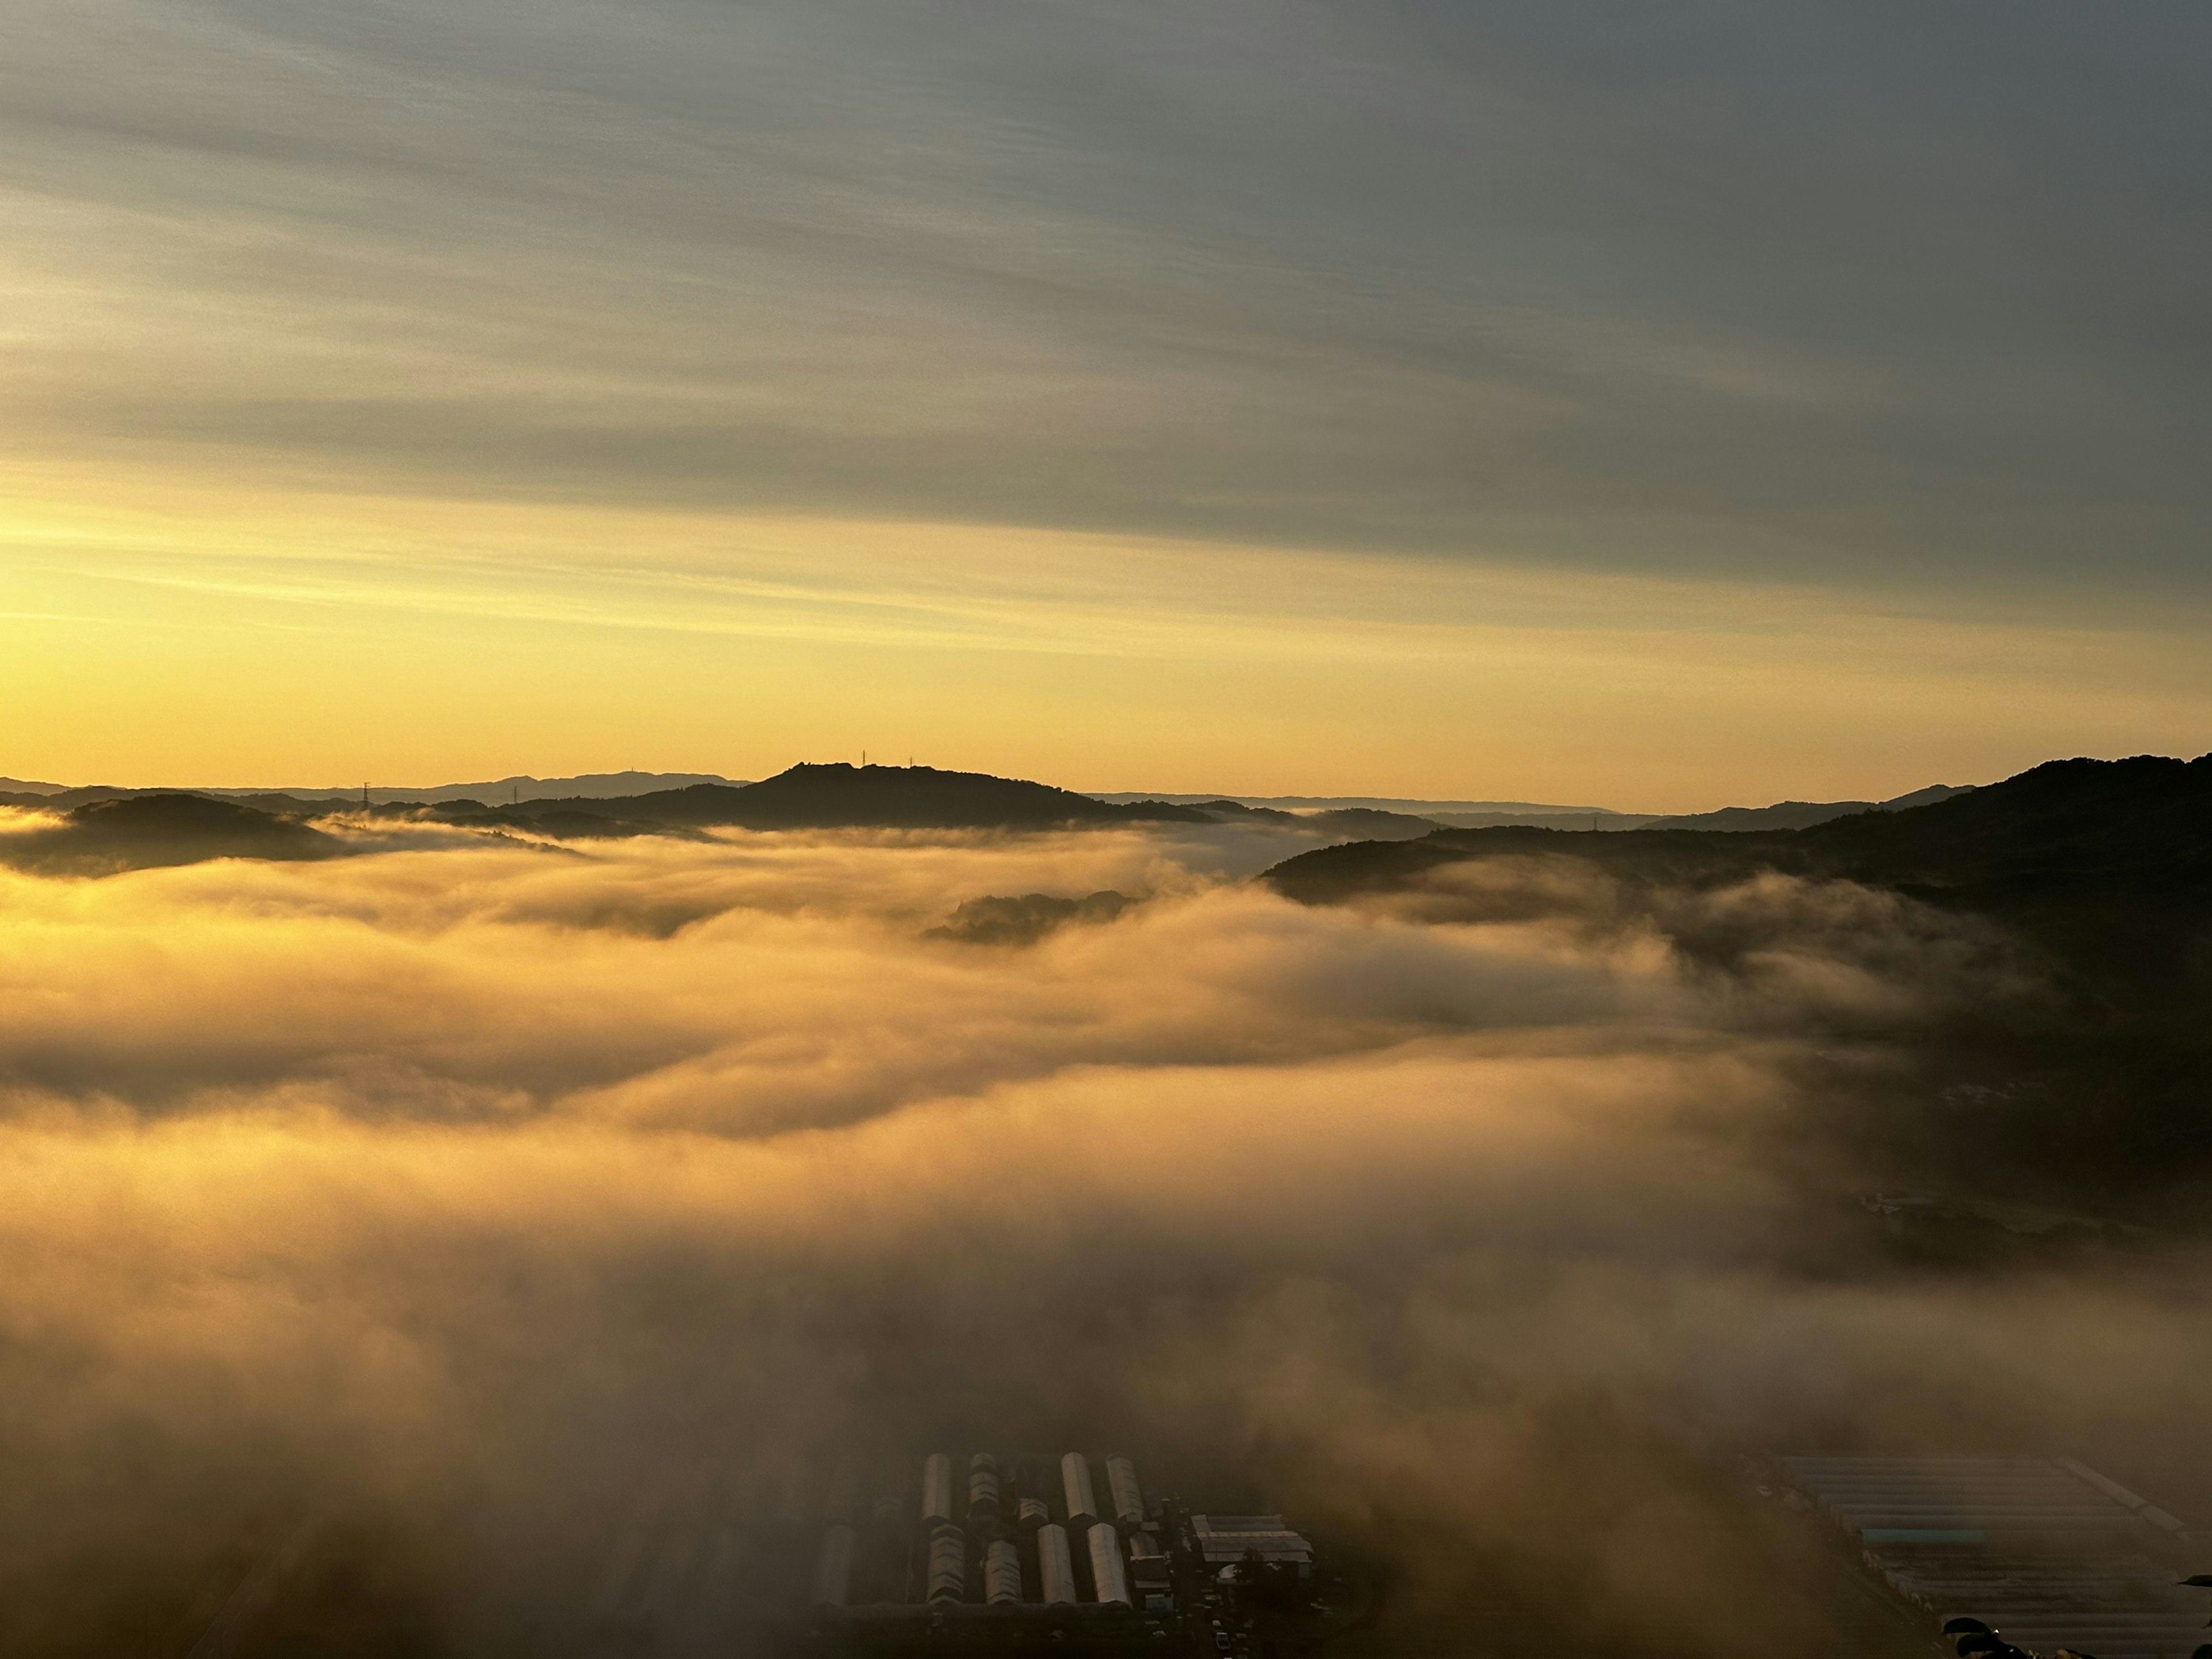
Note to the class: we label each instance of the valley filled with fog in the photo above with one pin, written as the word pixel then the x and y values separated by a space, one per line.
pixel 450 1190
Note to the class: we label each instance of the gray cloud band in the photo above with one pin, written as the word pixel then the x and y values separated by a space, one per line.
pixel 1796 292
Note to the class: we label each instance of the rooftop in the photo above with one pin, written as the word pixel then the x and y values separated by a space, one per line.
pixel 2046 1550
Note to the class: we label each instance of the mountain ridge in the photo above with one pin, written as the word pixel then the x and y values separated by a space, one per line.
pixel 2085 1059
pixel 1800 814
pixel 140 832
pixel 2107 816
pixel 836 794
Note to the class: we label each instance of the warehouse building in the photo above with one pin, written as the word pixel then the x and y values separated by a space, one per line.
pixel 1150 1575
pixel 2048 1551
pixel 1024 1555
pixel 1226 1541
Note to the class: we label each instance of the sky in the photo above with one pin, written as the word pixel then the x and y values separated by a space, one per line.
pixel 1665 407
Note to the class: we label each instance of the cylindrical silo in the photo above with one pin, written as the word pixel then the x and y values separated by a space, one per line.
pixel 1075 1477
pixel 937 1490
pixel 1121 1486
pixel 983 1486
pixel 1106 1565
pixel 833 1568
pixel 1055 1567
pixel 948 1567
pixel 1033 1512
pixel 1002 1572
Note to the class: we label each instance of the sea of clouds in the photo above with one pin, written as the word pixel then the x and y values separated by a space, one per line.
pixel 454 1189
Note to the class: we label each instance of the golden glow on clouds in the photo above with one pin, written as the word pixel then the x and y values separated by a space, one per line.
pixel 466 1175
pixel 181 633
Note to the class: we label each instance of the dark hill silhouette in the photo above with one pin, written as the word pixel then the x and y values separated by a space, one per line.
pixel 2100 1088
pixel 2069 822
pixel 806 797
pixel 840 795
pixel 1782 815
pixel 2065 824
pixel 145 831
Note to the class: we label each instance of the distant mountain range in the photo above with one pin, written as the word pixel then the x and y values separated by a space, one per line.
pixel 2062 824
pixel 1381 811
pixel 116 831
pixel 596 786
pixel 1536 815
pixel 840 795
pixel 1443 814
pixel 1800 814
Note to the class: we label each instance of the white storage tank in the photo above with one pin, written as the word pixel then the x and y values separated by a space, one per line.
pixel 948 1567
pixel 833 1568
pixel 1002 1573
pixel 1106 1571
pixel 1055 1567
pixel 1075 1477
pixel 1128 1497
pixel 937 1490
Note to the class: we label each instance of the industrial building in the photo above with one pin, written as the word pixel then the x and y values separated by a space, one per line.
pixel 890 1557
pixel 2048 1551
pixel 986 1533
pixel 1007 1550
pixel 1225 1541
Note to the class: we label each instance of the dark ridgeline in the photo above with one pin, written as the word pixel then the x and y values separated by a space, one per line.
pixel 145 831
pixel 1795 814
pixel 831 796
pixel 2092 880
pixel 839 796
pixel 836 796
pixel 2096 827
pixel 117 831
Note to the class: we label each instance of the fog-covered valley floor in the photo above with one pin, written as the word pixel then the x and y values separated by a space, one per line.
pixel 443 1189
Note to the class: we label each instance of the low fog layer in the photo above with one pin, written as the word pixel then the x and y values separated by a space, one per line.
pixel 452 1191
